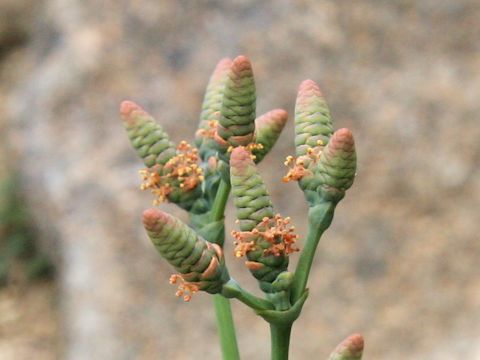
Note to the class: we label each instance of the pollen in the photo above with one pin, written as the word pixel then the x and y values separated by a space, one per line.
pixel 209 133
pixel 289 160
pixel 299 166
pixel 184 168
pixel 150 178
pixel 185 289
pixel 277 231
pixel 254 146
pixel 156 183
pixel 181 171
pixel 297 169
pixel 244 242
pixel 280 234
pixel 161 193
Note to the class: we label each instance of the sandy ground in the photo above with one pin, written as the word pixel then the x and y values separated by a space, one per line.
pixel 28 326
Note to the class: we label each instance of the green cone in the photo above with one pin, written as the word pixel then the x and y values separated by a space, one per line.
pixel 349 349
pixel 199 262
pixel 268 128
pixel 237 121
pixel 334 172
pixel 211 107
pixel 329 158
pixel 148 138
pixel 253 205
pixel 312 118
pixel 153 145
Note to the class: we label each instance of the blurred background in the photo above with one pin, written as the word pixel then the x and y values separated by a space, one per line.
pixel 400 264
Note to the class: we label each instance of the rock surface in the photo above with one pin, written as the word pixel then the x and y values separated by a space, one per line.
pixel 400 263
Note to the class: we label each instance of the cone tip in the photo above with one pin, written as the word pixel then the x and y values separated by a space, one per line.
pixel 127 107
pixel 241 63
pixel 152 216
pixel 309 86
pixel 279 115
pixel 275 116
pixel 344 133
pixel 351 348
pixel 343 138
pixel 355 342
pixel 240 158
pixel 129 111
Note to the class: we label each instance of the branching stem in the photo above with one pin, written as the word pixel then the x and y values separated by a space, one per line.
pixel 319 219
pixel 223 310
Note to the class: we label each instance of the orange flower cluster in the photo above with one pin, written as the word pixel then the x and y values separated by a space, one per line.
pixel 277 231
pixel 182 168
pixel 298 167
pixel 185 288
pixel 244 242
pixel 154 181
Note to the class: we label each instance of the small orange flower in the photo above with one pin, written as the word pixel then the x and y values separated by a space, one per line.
pixel 277 231
pixel 185 289
pixel 297 169
pixel 244 242
pixel 250 148
pixel 156 183
pixel 299 166
pixel 210 132
pixel 182 170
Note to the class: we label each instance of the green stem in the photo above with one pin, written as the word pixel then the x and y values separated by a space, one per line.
pixel 319 219
pixel 218 208
pixel 226 330
pixel 280 335
pixel 223 310
pixel 232 290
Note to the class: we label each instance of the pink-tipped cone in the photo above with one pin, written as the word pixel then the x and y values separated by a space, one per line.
pixel 240 64
pixel 212 104
pixel 274 120
pixel 308 88
pixel 268 128
pixel 130 112
pixel 313 122
pixel 236 124
pixel 199 262
pixel 341 144
pixel 349 349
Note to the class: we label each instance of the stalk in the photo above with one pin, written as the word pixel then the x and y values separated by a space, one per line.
pixel 218 208
pixel 223 310
pixel 226 329
pixel 232 290
pixel 280 341
pixel 319 219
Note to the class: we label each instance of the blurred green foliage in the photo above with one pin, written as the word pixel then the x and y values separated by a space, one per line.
pixel 19 254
